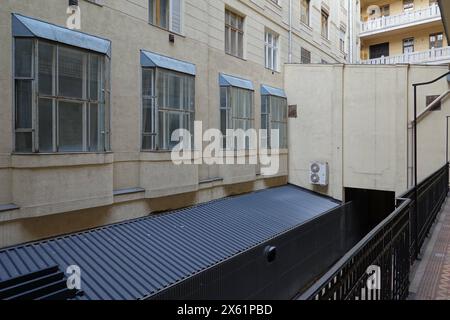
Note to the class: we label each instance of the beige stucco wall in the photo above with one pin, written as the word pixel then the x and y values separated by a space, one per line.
pixel 396 6
pixel 47 187
pixel 356 118
pixel 316 135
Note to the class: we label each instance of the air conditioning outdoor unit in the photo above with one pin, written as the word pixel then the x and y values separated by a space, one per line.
pixel 319 173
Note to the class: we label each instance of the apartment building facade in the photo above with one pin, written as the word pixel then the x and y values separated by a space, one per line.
pixel 402 31
pixel 86 117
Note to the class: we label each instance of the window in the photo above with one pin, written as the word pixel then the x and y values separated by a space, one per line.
pixel 385 10
pixel 434 3
pixel 236 110
pixel 436 40
pixel 324 24
pixel 408 45
pixel 304 11
pixel 305 56
pixel 61 98
pixel 342 36
pixel 271 50
pixel 379 50
pixel 408 5
pixel 234 34
pixel 322 61
pixel 166 14
pixel 274 117
pixel 168 102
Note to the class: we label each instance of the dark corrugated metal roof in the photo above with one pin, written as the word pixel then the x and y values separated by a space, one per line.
pixel 138 258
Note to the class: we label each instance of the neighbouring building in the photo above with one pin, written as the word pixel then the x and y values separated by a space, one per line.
pixel 402 31
pixel 86 118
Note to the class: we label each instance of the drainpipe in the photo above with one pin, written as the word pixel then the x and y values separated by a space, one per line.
pixel 350 31
pixel 290 32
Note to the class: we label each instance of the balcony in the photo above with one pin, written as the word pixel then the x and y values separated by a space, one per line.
pixel 406 19
pixel 432 56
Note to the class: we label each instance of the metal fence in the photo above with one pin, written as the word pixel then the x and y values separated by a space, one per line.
pixel 378 267
pixel 302 254
pixel 431 195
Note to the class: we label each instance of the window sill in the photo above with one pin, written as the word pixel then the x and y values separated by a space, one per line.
pixel 237 57
pixel 162 156
pixel 273 71
pixel 27 161
pixel 167 30
pixel 307 26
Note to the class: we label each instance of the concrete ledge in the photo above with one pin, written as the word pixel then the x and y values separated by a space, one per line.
pixel 122 192
pixel 33 161
pixel 8 207
pixel 55 208
pixel 170 191
pixel 218 179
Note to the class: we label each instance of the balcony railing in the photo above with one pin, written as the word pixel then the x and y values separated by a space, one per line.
pixel 429 56
pixel 378 267
pixel 411 17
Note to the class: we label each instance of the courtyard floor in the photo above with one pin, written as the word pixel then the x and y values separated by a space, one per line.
pixel 431 275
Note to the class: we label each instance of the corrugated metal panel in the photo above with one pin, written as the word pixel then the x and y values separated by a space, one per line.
pixel 142 257
pixel 151 59
pixel 23 26
pixel 271 91
pixel 227 81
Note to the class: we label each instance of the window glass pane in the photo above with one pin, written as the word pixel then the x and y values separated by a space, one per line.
pixel 241 44
pixel 174 124
pixel 151 12
pixel 46 58
pixel 102 128
pixel 223 121
pixel 24 142
pixel 148 142
pixel 189 93
pixel 233 48
pixel 147 82
pixel 94 127
pixel 161 89
pixel 162 133
pixel 23 57
pixel 70 124
pixel 264 104
pixel 264 121
pixel 164 14
pixel 71 72
pixel 94 77
pixel 147 116
pixel 174 91
pixel 45 125
pixel 23 99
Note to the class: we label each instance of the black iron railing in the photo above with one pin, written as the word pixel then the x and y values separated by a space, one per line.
pixel 378 267
pixel 431 195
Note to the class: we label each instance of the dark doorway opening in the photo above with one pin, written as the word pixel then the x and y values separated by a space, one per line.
pixel 379 50
pixel 373 205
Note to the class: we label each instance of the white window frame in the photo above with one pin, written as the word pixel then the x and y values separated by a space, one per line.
pixel 238 31
pixel 103 101
pixel 325 30
pixel 272 50
pixel 306 14
pixel 164 110
pixel 271 120
pixel 170 16
pixel 227 109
